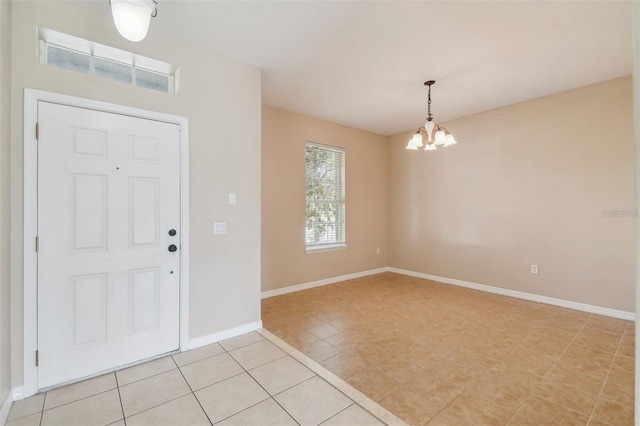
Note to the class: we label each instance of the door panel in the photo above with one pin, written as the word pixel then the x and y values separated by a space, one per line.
pixel 108 288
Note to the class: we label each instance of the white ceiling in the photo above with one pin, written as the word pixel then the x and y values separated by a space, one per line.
pixel 363 63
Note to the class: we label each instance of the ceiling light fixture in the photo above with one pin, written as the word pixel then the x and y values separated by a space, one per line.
pixel 132 17
pixel 431 135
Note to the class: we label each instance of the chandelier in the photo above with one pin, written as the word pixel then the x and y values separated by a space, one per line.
pixel 431 135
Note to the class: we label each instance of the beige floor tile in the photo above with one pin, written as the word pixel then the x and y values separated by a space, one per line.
pixel 26 407
pixel 100 409
pixel 614 413
pixel 548 413
pixel 569 397
pixel 152 391
pixel 586 360
pixel 623 362
pixel 118 423
pixel 373 383
pixel 147 369
pixel 598 339
pixel 240 341
pixel 520 420
pixel 434 387
pixel 265 413
pixel 413 408
pixel 608 324
pixel 344 341
pixel 299 339
pixel 281 374
pixel 523 359
pixel 210 370
pixel 621 377
pixel 80 390
pixel 399 370
pixel 198 354
pixel 627 348
pixel 32 420
pixel 353 415
pixel 590 384
pixel 313 401
pixel 595 422
pixel 320 351
pixel 230 396
pixel 613 391
pixel 256 354
pixel 344 365
pixel 184 411
pixel 473 410
pixel 323 330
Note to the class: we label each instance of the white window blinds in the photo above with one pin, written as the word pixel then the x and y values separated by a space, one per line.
pixel 325 218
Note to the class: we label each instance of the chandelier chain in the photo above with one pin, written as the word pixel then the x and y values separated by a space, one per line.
pixel 429 117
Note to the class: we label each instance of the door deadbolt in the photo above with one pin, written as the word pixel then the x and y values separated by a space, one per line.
pixel 172 232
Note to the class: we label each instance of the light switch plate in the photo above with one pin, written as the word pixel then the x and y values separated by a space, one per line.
pixel 219 228
pixel 232 198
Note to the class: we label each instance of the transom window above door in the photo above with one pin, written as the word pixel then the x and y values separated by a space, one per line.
pixel 325 197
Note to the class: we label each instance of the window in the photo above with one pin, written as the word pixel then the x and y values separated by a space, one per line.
pixel 73 53
pixel 325 224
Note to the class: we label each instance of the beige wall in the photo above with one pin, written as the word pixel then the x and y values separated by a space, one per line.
pixel 527 184
pixel 5 143
pixel 284 261
pixel 635 25
pixel 221 98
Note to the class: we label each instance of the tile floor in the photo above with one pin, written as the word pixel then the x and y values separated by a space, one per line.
pixel 246 380
pixel 443 355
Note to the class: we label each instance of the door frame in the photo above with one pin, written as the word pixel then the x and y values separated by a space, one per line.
pixel 30 262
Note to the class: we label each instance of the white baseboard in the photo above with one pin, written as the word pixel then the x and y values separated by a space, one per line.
pixel 629 316
pixel 312 284
pixel 18 393
pixel 6 406
pixel 197 342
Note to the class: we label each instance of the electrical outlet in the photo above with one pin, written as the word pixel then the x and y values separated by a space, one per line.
pixel 378 250
pixel 534 269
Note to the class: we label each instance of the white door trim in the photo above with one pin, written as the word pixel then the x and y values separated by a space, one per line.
pixel 31 99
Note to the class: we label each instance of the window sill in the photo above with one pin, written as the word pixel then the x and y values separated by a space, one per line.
pixel 325 248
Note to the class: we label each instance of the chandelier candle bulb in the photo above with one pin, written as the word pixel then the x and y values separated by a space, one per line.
pixel 431 134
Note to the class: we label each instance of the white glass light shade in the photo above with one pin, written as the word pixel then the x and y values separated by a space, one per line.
pixel 415 141
pixel 450 140
pixel 441 137
pixel 132 17
pixel 430 147
pixel 428 126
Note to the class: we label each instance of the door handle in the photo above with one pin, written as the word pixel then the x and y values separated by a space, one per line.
pixel 173 248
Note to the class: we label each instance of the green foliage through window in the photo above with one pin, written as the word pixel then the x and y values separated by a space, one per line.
pixel 325 195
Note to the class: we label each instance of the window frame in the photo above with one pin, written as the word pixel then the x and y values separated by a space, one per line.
pixel 92 50
pixel 340 242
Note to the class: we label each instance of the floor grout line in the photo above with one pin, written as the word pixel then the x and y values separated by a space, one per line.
pixel 192 391
pixel 44 402
pixel 606 378
pixel 124 419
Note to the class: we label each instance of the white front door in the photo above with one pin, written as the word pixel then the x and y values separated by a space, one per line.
pixel 109 235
